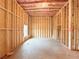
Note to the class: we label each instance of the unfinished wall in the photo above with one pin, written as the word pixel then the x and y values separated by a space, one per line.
pixel 74 21
pixel 60 25
pixel 12 20
pixel 30 26
pixel 2 29
pixel 66 26
pixel 42 26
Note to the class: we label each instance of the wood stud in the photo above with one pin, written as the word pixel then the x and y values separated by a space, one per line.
pixel 68 17
pixel 74 8
pixel 11 29
pixel 61 25
pixel 41 26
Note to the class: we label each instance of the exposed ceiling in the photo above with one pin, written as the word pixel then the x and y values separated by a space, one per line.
pixel 41 7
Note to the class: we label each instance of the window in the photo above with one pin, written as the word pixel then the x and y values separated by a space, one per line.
pixel 25 30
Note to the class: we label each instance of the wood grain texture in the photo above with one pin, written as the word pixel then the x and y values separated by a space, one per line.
pixel 12 20
pixel 74 14
pixel 60 30
pixel 41 27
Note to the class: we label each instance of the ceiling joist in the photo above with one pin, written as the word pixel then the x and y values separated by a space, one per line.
pixel 32 2
pixel 41 11
pixel 42 7
pixel 34 6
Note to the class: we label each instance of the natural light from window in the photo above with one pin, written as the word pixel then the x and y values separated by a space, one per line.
pixel 25 30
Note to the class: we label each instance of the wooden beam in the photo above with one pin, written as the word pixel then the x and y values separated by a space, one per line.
pixel 74 21
pixel 41 15
pixel 39 2
pixel 41 11
pixel 29 2
pixel 49 3
pixel 41 8
pixel 33 6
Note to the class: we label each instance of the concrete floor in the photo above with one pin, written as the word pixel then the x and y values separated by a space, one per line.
pixel 43 49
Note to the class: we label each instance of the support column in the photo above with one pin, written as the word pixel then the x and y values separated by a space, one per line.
pixel 73 24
